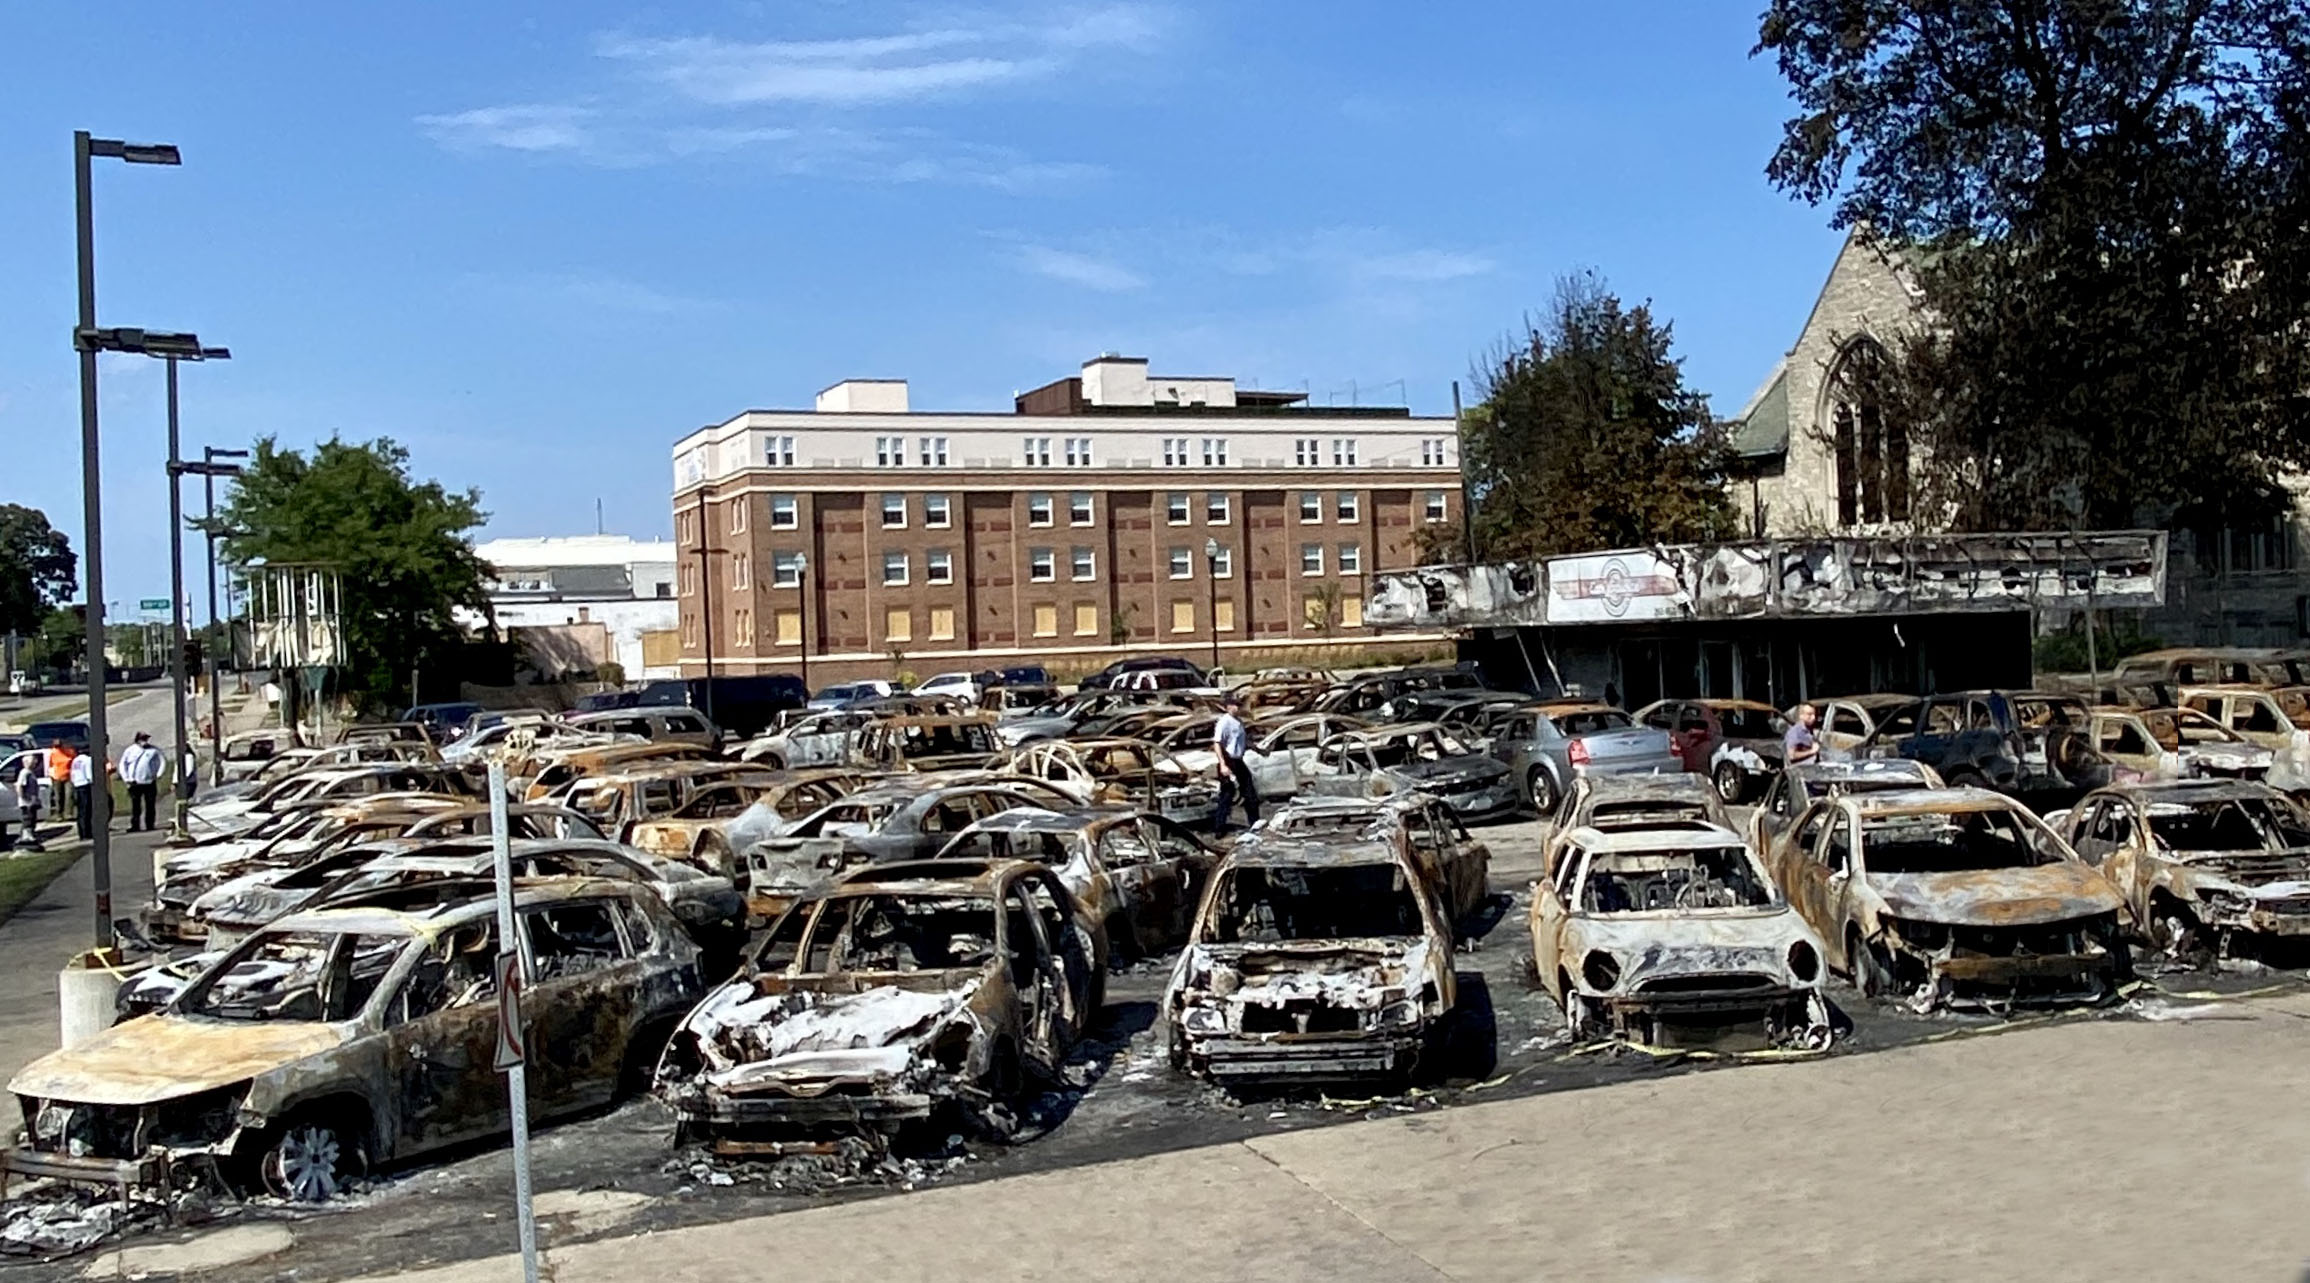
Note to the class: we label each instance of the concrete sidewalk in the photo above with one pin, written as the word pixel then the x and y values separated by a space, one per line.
pixel 2172 1148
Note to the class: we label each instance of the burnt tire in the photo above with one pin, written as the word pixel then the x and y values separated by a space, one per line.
pixel 1732 783
pixel 1545 794
pixel 310 1158
pixel 2173 930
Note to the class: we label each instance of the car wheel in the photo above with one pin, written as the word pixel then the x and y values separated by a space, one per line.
pixel 1544 793
pixel 2172 930
pixel 309 1159
pixel 1732 783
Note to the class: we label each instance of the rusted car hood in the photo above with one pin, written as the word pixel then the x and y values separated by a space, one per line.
pixel 1997 897
pixel 156 1058
pixel 2265 875
pixel 1699 943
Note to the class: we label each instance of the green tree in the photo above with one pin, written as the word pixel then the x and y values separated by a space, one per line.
pixel 400 549
pixel 1588 438
pixel 2105 206
pixel 37 568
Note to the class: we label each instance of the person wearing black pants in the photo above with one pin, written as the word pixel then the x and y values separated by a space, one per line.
pixel 1230 742
pixel 140 768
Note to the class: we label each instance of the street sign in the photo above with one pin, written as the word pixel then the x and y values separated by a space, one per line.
pixel 512 1036
pixel 152 603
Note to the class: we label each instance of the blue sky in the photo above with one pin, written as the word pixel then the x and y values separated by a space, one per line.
pixel 537 250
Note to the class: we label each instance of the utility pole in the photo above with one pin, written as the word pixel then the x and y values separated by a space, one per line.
pixel 1467 506
pixel 706 591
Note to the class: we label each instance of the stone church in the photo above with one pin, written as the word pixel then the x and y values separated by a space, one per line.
pixel 1815 457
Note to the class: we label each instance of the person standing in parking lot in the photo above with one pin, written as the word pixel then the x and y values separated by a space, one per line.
pixel 1229 743
pixel 31 772
pixel 83 780
pixel 1800 745
pixel 60 757
pixel 140 768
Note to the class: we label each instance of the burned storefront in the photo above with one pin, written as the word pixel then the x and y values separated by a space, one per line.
pixel 1777 620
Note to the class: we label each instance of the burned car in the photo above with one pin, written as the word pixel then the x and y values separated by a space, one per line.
pixel 1422 830
pixel 812 739
pixel 699 830
pixel 1415 757
pixel 1660 936
pixel 962 741
pixel 1281 751
pixel 346 1039
pixel 902 993
pixel 2172 743
pixel 1136 874
pixel 1953 896
pixel 1313 959
pixel 1799 786
pixel 2200 863
pixel 908 819
pixel 235 816
pixel 1121 771
pixel 1615 802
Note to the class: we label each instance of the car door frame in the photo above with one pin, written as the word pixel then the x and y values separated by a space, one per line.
pixel 581 1012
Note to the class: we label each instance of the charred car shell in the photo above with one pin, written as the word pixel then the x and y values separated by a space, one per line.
pixel 2200 862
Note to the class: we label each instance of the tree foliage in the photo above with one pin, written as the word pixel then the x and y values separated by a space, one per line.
pixel 399 548
pixel 1587 437
pixel 2105 205
pixel 37 568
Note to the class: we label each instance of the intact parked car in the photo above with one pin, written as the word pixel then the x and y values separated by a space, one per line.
pixel 1735 743
pixel 961 687
pixel 1457 867
pixel 1313 959
pixel 659 725
pixel 1136 874
pixel 741 706
pixel 1105 677
pixel 1661 935
pixel 881 824
pixel 50 734
pixel 1953 896
pixel 907 992
pixel 348 1039
pixel 2172 743
pixel 600 701
pixel 1548 745
pixel 444 721
pixel 2025 743
pixel 1413 757
pixel 2201 863
pixel 846 694
pixel 1798 787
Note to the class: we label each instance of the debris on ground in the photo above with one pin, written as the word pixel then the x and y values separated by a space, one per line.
pixel 63 1220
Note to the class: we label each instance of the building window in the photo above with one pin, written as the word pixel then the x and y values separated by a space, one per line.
pixel 1307 452
pixel 682 528
pixel 898 624
pixel 1175 452
pixel 1042 567
pixel 933 451
pixel 1349 507
pixel 1314 612
pixel 894 512
pixel 789 627
pixel 1182 564
pixel 1215 507
pixel 1182 616
pixel 738 515
pixel 778 451
pixel 1432 453
pixel 1223 615
pixel 942 623
pixel 1037 451
pixel 1086 619
pixel 1083 564
pixel 1078 452
pixel 1351 611
pixel 1223 564
pixel 1038 510
pixel 938 566
pixel 1310 506
pixel 1351 559
pixel 1435 509
pixel 890 452
pixel 689 580
pixel 783 513
pixel 936 514
pixel 1177 508
pixel 1311 559
pixel 1215 452
pixel 1079 508
pixel 741 570
pixel 1871 447
pixel 1343 452
pixel 894 568
pixel 742 633
pixel 1047 619
pixel 689 632
pixel 665 590
pixel 786 570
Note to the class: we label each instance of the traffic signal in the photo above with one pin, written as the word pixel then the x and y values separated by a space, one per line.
pixel 192 654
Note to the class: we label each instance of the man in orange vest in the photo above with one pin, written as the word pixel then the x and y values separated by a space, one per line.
pixel 60 757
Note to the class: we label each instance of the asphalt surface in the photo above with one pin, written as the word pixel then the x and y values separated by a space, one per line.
pixel 1122 1100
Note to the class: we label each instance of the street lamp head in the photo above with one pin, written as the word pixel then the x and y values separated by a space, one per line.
pixel 1211 549
pixel 160 343
pixel 136 153
pixel 802 562
pixel 215 354
pixel 214 452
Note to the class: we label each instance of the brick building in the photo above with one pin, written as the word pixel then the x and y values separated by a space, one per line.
pixel 1113 512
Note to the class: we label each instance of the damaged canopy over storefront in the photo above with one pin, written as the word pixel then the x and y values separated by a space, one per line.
pixel 1777 620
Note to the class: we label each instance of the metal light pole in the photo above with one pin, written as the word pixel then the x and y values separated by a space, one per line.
pixel 802 585
pixel 210 470
pixel 85 148
pixel 1211 579
pixel 183 780
pixel 706 588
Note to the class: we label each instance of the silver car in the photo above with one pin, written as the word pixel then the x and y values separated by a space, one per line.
pixel 1549 745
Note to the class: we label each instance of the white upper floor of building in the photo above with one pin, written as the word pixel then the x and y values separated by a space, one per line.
pixel 579 568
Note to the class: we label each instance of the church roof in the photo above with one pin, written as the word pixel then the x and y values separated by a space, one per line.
pixel 1762 429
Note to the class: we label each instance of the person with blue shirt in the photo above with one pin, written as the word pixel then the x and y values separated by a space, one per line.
pixel 1230 742
pixel 1800 745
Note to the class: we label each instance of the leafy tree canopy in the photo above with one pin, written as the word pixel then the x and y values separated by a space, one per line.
pixel 2106 207
pixel 1587 437
pixel 399 548
pixel 37 568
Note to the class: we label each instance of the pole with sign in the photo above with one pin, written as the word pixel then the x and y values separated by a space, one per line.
pixel 512 1034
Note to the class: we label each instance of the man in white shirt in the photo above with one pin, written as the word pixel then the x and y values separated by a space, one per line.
pixel 82 776
pixel 1229 743
pixel 140 768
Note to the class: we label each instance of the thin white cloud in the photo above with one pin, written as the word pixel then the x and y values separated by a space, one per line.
pixel 842 73
pixel 588 292
pixel 1423 266
pixel 1080 269
pixel 533 127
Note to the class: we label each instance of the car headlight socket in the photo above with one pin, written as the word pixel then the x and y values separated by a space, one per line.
pixel 1601 970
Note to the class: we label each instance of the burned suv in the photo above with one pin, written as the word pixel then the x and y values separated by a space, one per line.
pixel 2201 862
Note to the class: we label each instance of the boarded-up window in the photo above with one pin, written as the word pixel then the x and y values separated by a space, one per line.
pixel 942 623
pixel 1351 611
pixel 1314 612
pixel 1182 616
pixel 661 647
pixel 898 625
pixel 789 627
pixel 1223 616
pixel 1047 620
pixel 1086 619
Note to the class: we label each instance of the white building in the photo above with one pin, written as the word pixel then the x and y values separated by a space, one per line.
pixel 624 584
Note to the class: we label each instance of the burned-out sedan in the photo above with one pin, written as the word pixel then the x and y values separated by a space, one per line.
pixel 905 819
pixel 345 1039
pixel 901 993
pixel 699 830
pixel 2201 863
pixel 1799 786
pixel 1616 802
pixel 1457 867
pixel 1135 873
pixel 1952 896
pixel 1313 959
pixel 1416 757
pixel 1663 936
pixel 2147 744
pixel 1120 771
